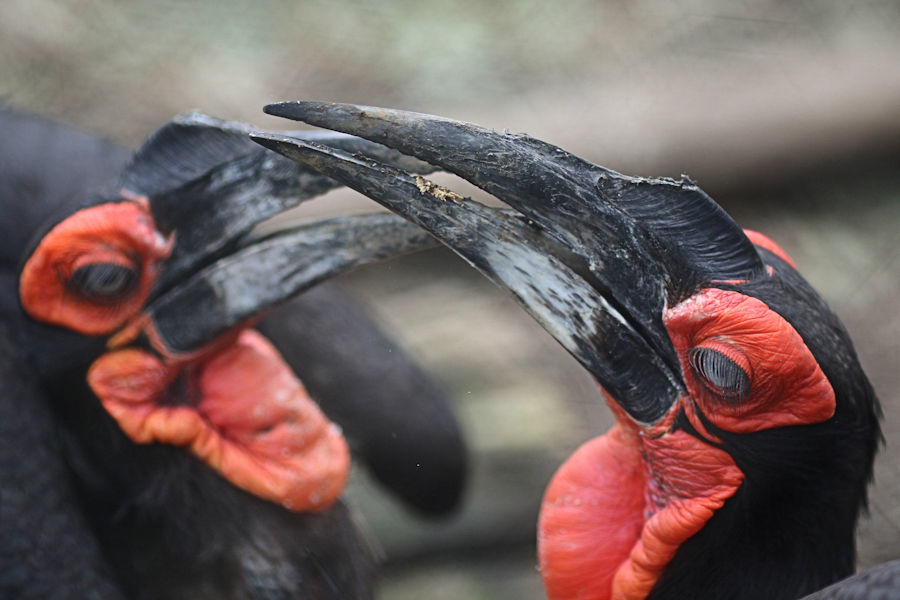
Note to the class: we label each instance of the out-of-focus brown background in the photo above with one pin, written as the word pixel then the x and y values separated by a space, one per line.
pixel 788 113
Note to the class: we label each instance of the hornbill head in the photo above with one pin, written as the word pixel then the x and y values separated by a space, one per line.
pixel 152 287
pixel 746 428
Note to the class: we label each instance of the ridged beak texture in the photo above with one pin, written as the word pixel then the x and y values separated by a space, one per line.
pixel 592 254
pixel 207 186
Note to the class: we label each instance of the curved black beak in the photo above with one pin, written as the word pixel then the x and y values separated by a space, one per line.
pixel 242 285
pixel 593 255
pixel 208 185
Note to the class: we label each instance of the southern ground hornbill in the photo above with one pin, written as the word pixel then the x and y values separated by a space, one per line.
pixel 152 445
pixel 746 429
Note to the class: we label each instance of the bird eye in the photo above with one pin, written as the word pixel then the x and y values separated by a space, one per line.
pixel 103 281
pixel 720 373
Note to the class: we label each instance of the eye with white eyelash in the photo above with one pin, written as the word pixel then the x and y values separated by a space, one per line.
pixel 720 374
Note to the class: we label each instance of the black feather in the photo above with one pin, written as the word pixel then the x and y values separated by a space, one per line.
pixel 85 512
pixel 790 528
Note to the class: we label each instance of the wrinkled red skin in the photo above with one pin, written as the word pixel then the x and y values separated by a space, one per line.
pixel 119 232
pixel 617 511
pixel 248 417
pixel 239 407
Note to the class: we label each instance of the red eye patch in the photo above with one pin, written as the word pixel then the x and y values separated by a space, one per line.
pixel 785 384
pixel 117 235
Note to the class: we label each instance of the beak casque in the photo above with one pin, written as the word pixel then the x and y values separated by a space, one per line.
pixel 590 253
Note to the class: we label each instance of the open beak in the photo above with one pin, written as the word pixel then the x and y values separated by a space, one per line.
pixel 590 253
pixel 167 271
pixel 216 277
pixel 240 286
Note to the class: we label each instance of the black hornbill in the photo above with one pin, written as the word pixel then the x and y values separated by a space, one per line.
pixel 746 428
pixel 152 444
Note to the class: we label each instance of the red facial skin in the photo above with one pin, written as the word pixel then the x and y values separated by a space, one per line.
pixel 247 416
pixel 617 511
pixel 238 406
pixel 121 233
pixel 758 239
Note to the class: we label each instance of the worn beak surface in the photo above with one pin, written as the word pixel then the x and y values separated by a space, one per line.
pixel 163 271
pixel 571 250
pixel 707 343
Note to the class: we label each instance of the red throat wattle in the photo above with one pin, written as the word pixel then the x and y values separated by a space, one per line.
pixel 236 405
pixel 616 512
pixel 240 409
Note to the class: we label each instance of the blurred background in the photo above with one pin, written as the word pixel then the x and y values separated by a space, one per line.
pixel 788 113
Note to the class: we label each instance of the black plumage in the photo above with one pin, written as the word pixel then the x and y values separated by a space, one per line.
pixel 86 513
pixel 881 582
pixel 742 479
